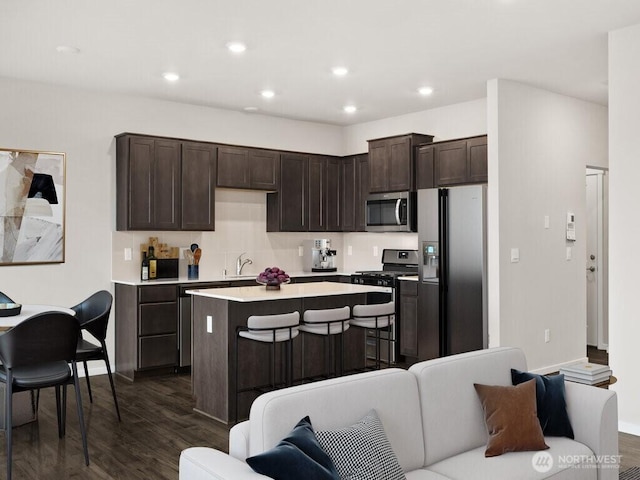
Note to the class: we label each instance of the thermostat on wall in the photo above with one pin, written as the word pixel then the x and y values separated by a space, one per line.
pixel 571 227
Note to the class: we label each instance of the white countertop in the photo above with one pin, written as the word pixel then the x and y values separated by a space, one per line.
pixel 293 290
pixel 217 278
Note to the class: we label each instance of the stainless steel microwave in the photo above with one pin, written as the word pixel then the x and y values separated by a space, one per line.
pixel 391 212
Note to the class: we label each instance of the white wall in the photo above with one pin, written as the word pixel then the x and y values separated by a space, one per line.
pixel 624 222
pixel 453 121
pixel 539 145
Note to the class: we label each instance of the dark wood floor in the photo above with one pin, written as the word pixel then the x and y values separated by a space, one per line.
pixel 157 424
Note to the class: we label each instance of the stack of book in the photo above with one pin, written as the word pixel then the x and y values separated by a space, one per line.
pixel 588 373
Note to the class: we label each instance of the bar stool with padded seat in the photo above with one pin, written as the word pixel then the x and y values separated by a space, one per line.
pixel 375 317
pixel 273 329
pixel 327 322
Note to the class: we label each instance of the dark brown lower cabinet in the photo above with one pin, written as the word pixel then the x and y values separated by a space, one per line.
pixel 408 318
pixel 428 321
pixel 146 328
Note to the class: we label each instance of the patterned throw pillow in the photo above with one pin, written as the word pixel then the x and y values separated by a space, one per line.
pixel 362 451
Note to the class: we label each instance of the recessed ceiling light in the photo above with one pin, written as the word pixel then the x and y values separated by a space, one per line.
pixel 67 49
pixel 250 109
pixel 340 71
pixel 350 108
pixel 425 91
pixel 236 47
pixel 267 93
pixel 171 76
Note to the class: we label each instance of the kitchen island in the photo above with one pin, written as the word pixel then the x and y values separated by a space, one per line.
pixel 218 312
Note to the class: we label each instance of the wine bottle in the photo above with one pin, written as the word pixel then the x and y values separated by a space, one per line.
pixel 153 264
pixel 144 269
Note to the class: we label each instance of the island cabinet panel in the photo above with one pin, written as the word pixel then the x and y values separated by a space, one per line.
pixel 198 186
pixel 146 328
pixel 391 162
pixel 214 366
pixel 248 168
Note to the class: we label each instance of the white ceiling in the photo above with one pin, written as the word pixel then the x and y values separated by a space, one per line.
pixel 391 48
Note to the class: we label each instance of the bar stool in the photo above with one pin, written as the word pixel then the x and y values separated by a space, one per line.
pixel 328 322
pixel 375 317
pixel 273 329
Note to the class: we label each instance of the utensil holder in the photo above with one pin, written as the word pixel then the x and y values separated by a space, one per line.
pixel 193 272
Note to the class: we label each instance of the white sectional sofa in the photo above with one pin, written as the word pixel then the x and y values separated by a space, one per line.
pixel 433 420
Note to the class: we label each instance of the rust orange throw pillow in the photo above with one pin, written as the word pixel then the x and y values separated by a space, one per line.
pixel 511 418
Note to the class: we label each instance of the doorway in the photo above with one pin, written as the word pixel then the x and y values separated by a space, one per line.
pixel 597 259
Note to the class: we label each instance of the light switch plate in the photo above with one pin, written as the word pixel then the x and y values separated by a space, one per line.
pixel 349 250
pixel 300 251
pixel 569 253
pixel 127 254
pixel 375 251
pixel 546 221
pixel 209 324
pixel 515 255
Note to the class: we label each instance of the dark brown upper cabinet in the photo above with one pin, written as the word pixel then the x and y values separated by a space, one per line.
pixel 164 184
pixel 309 196
pixel 248 168
pixel 198 177
pixel 425 155
pixel 287 209
pixel 461 161
pixel 391 162
pixel 354 188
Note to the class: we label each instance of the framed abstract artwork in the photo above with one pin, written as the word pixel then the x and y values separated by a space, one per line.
pixel 32 207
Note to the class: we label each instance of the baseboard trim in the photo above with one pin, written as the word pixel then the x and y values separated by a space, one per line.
pixel 630 428
pixel 557 367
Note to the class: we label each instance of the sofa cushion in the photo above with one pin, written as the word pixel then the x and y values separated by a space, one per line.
pixel 298 455
pixel 361 451
pixel 510 414
pixel 453 420
pixel 550 402
pixel 334 403
pixel 519 465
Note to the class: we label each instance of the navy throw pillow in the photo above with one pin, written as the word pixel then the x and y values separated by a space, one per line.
pixel 298 455
pixel 550 402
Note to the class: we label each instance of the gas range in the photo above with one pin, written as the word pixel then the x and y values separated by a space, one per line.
pixel 395 263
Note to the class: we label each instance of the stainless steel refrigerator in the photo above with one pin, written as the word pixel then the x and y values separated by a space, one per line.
pixel 452 269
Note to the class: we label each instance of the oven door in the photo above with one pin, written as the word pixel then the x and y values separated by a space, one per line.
pixel 390 212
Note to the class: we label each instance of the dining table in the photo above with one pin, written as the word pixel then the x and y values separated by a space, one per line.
pixel 30 310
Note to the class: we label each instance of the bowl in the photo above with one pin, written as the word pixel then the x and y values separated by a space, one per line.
pixel 10 309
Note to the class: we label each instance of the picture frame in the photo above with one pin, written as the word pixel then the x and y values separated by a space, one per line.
pixel 32 207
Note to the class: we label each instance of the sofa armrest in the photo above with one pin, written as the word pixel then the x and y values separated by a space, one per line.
pixel 239 440
pixel 593 413
pixel 203 463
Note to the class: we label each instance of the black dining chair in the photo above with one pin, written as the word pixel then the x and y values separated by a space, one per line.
pixel 93 315
pixel 36 354
pixel 5 299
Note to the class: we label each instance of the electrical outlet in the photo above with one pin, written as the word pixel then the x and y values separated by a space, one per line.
pixel 546 221
pixel 375 251
pixel 209 324
pixel 300 251
pixel 349 250
pixel 547 335
pixel 127 254
pixel 569 253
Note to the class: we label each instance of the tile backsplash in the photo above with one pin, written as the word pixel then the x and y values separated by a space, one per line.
pixel 241 228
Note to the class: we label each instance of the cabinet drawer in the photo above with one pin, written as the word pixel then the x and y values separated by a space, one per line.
pixel 158 293
pixel 157 318
pixel 158 351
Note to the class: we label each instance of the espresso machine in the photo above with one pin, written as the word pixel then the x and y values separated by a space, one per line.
pixel 318 256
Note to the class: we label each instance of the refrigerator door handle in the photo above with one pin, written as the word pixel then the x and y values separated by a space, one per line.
pixel 398 203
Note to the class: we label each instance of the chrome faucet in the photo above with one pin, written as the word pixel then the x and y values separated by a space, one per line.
pixel 240 263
